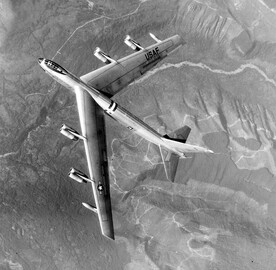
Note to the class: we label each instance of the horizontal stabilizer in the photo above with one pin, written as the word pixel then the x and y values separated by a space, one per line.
pixel 180 135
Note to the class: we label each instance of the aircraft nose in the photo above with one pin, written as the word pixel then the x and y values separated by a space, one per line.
pixel 40 60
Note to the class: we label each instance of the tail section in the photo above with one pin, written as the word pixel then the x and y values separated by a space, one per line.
pixel 175 147
pixel 177 141
pixel 170 159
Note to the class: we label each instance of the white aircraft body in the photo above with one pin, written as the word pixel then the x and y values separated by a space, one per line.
pixel 96 87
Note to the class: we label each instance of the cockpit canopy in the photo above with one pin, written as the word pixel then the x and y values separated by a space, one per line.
pixel 55 67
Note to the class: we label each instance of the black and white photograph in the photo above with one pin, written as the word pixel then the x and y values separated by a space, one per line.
pixel 137 135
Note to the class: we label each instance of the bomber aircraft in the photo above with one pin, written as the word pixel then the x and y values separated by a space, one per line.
pixel 94 93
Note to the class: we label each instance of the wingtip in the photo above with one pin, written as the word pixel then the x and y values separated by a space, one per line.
pixel 109 234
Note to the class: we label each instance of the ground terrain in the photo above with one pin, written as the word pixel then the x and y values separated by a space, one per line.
pixel 218 214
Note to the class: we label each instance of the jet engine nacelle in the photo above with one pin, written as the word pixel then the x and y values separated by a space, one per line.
pixel 90 207
pixel 157 40
pixel 103 56
pixel 132 44
pixel 78 176
pixel 69 132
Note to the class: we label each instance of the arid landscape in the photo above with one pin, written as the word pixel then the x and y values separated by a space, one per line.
pixel 220 212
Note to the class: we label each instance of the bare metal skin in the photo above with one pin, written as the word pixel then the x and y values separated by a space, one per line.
pixel 92 93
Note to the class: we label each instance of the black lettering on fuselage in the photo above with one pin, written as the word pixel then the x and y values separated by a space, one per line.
pixel 152 54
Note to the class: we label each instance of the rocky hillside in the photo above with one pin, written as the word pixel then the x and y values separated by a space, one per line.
pixel 220 211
